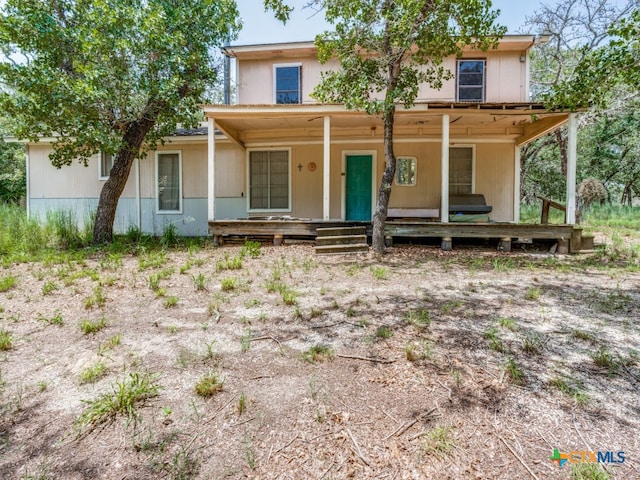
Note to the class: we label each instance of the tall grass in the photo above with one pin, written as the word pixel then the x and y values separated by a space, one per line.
pixel 22 238
pixel 597 216
pixel 19 236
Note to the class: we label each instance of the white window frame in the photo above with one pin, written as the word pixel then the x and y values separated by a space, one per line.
pixel 276 66
pixel 484 78
pixel 101 176
pixel 473 164
pixel 415 176
pixel 248 168
pixel 157 200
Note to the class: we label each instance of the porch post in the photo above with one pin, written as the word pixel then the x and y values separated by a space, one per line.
pixel 211 177
pixel 444 189
pixel 516 185
pixel 572 154
pixel 326 168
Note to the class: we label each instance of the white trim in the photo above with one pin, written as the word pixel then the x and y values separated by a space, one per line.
pixel 444 173
pixel 572 149
pixel 100 175
pixel 516 185
pixel 28 180
pixel 265 144
pixel 286 65
pixel 138 206
pixel 157 209
pixel 248 174
pixel 326 169
pixel 211 170
pixel 484 78
pixel 343 172
pixel 415 177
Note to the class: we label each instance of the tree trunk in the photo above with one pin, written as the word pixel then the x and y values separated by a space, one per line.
pixel 384 192
pixel 561 138
pixel 109 196
pixel 113 187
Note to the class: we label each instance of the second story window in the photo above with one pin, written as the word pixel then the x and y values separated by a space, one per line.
pixel 287 81
pixel 470 78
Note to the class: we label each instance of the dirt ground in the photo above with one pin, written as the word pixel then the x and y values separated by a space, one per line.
pixel 469 364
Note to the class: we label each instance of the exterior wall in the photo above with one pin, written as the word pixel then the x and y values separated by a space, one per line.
pixel 506 79
pixel 494 171
pixel 76 188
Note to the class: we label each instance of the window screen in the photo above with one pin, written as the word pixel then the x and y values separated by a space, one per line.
pixel 269 180
pixel 288 84
pixel 471 80
pixel 169 188
pixel 460 170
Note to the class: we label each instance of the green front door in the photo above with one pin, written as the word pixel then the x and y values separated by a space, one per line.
pixel 358 187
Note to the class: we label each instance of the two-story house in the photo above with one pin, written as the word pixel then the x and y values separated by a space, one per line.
pixel 277 155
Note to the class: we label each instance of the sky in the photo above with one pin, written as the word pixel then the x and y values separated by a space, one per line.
pixel 261 27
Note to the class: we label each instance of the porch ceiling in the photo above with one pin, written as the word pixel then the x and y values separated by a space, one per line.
pixel 522 122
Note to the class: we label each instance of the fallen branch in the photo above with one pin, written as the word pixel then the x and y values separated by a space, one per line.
pixel 285 446
pixel 266 337
pixel 403 428
pixel 366 359
pixel 517 457
pixel 358 451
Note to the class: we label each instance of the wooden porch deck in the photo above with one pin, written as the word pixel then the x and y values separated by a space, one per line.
pixel 569 237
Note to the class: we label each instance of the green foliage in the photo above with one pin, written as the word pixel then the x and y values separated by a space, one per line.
pixel 7 283
pixel 124 399
pixel 88 326
pixel 98 299
pixel 228 284
pixel 13 184
pixel 251 248
pixel 387 50
pixel 119 77
pixel 93 373
pixel 169 236
pixel 56 319
pixel 317 353
pixel 6 341
pixel 379 273
pixel 439 441
pixel 409 38
pixel 210 384
pixel 588 471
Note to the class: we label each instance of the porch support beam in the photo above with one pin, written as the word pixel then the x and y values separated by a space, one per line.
pixel 572 155
pixel 539 128
pixel 211 170
pixel 444 189
pixel 326 169
pixel 516 185
pixel 231 134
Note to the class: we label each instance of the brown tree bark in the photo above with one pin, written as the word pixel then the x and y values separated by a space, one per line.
pixel 384 191
pixel 133 138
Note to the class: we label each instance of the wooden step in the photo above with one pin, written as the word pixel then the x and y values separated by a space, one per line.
pixel 341 240
pixel 340 231
pixel 341 249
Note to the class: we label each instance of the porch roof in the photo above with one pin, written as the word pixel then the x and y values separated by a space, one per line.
pixel 518 122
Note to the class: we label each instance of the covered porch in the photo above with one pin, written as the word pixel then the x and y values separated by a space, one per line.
pixel 568 237
pixel 318 135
